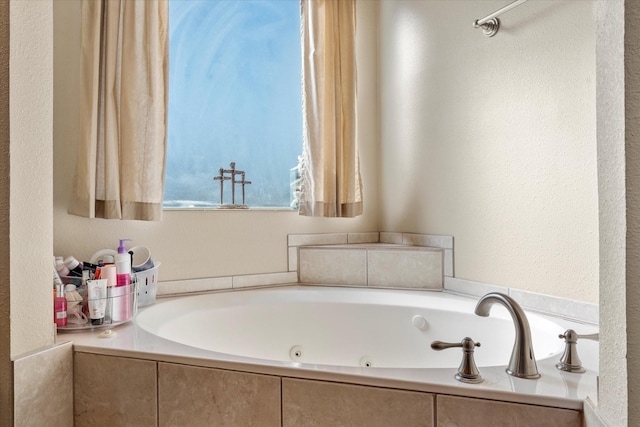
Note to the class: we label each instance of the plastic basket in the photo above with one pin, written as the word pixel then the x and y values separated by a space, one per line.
pixel 147 285
pixel 120 306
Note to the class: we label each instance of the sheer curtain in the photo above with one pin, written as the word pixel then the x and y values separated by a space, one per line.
pixel 123 107
pixel 330 171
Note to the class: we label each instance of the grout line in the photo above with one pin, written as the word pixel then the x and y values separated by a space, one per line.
pixel 157 393
pixel 435 409
pixel 281 405
pixel 366 267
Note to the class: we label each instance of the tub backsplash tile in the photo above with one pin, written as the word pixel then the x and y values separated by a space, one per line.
pixel 432 240
pixel 448 263
pixel 179 287
pixel 373 237
pixel 405 269
pixel 264 279
pixel 388 237
pixel 378 259
pixel 572 309
pixel 293 258
pixel 318 239
pixel 555 305
pixel 194 285
pixel 384 259
pixel 470 287
pixel 333 266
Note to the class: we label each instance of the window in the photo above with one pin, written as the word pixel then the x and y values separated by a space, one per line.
pixel 234 96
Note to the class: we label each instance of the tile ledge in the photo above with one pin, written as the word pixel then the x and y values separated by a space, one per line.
pixel 372 246
pixel 579 311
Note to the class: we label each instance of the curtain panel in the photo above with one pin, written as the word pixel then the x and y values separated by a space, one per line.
pixel 330 171
pixel 123 110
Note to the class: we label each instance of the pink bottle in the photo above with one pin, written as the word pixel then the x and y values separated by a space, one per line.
pixel 123 265
pixel 121 294
pixel 60 307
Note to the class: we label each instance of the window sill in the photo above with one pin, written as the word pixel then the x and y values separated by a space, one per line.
pixel 215 209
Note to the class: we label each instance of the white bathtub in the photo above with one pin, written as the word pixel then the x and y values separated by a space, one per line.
pixel 340 331
pixel 344 327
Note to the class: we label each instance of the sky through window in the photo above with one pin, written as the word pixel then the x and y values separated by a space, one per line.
pixel 234 96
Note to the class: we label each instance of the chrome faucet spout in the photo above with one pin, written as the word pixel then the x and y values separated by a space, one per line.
pixel 523 362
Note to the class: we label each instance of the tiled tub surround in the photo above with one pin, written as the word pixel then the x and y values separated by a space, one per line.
pixel 390 260
pixel 375 265
pixel 293 393
pixel 398 260
pixel 381 259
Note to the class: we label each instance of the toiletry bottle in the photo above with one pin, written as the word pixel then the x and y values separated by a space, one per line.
pixel 60 307
pixel 86 275
pixel 123 265
pixel 121 294
pixel 74 266
pixel 61 268
pixel 56 280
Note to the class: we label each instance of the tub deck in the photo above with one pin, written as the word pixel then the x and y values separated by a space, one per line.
pixel 554 388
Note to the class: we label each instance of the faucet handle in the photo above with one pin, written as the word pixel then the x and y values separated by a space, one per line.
pixel 468 371
pixel 570 361
pixel 571 336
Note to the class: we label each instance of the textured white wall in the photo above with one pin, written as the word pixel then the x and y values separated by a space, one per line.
pixel 613 397
pixel 200 243
pixel 31 195
pixel 632 143
pixel 492 140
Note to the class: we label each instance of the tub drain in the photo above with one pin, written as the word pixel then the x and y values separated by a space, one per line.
pixel 296 353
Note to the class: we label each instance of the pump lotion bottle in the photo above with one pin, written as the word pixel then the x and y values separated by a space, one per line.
pixel 123 265
pixel 121 294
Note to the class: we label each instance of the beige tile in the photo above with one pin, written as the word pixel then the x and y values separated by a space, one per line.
pixel 333 266
pixel 448 262
pixel 316 403
pixel 194 396
pixel 177 287
pixel 389 237
pixel 371 237
pixel 461 412
pixel 551 304
pixel 405 268
pixel 264 279
pixel 317 239
pixel 432 240
pixel 470 287
pixel 293 258
pixel 114 391
pixel 43 387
